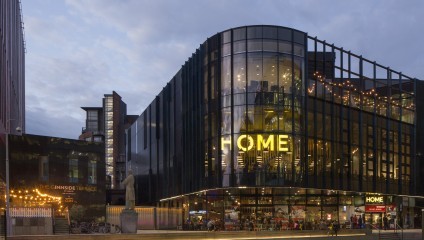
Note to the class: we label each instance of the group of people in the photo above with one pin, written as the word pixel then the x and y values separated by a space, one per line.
pixel 356 222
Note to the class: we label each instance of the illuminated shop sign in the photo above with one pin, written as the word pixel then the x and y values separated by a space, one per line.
pixel 68 188
pixel 376 208
pixel 197 212
pixel 374 199
pixel 247 142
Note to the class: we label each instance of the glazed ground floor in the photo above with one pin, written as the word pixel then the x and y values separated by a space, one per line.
pixel 259 208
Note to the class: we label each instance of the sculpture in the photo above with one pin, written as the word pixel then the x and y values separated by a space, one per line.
pixel 129 191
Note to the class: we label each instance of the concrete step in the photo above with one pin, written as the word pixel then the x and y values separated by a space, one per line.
pixel 61 226
pixel 389 236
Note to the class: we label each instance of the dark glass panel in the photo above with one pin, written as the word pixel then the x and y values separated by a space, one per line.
pixel 226 121
pixel 284 47
pixel 298 50
pixel 285 34
pixel 239 34
pixel 239 119
pixel 270 32
pixel 239 47
pixel 226 76
pixel 226 49
pixel 270 76
pixel 254 45
pixel 239 70
pixel 299 37
pixel 226 37
pixel 270 45
pixel 254 73
pixel 254 32
pixel 285 73
pixel 299 69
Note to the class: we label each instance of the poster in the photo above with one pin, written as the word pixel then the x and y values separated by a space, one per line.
pixel 282 212
pixel 297 213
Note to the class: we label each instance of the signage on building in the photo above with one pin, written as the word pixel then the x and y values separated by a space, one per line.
pixel 197 212
pixel 374 199
pixel 247 142
pixel 68 188
pixel 375 208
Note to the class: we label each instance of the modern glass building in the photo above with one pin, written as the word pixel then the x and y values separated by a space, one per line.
pixel 266 123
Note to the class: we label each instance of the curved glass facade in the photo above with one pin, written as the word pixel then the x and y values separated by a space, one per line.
pixel 262 94
pixel 262 115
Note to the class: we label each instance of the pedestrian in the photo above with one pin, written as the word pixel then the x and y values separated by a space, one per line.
pixel 336 227
pixel 408 222
pixel 360 222
pixel 385 222
pixel 330 229
pixel 211 225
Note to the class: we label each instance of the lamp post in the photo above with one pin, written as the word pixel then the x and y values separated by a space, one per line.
pixel 8 226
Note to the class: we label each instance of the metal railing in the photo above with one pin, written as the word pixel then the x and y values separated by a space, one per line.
pixel 401 230
pixel 396 229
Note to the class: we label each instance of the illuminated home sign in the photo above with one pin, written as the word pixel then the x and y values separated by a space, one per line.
pixel 374 199
pixel 247 142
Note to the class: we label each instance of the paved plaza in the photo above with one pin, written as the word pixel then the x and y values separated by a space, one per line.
pixel 409 234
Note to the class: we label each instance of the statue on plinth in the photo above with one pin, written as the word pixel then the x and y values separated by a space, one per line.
pixel 128 216
pixel 129 191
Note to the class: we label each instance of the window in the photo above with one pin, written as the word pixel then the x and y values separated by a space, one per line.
pixel 44 168
pixel 239 34
pixel 73 170
pixel 98 139
pixel 92 172
pixel 254 32
pixel 92 126
pixel 145 130
pixel 92 115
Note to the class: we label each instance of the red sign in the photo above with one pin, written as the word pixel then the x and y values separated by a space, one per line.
pixel 375 208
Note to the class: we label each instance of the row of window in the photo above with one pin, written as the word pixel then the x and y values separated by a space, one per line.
pixel 74 173
pixel 267 32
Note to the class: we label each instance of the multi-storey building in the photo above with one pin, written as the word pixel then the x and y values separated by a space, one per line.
pixel 12 68
pixel 12 84
pixel 107 124
pixel 268 122
pixel 72 171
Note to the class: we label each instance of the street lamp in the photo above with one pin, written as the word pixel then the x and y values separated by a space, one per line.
pixel 8 227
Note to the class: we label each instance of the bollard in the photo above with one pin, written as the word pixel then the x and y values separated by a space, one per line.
pixel 422 224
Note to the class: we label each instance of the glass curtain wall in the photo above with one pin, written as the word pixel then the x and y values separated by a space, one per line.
pixel 360 122
pixel 276 209
pixel 354 131
pixel 262 75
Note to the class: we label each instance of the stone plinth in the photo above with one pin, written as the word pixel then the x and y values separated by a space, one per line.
pixel 128 221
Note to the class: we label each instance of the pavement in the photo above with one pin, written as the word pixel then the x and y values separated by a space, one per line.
pixel 409 234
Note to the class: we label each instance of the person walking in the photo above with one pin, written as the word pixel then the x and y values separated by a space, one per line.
pixel 385 222
pixel 360 222
pixel 330 229
pixel 336 227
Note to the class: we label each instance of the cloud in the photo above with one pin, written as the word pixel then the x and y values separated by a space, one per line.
pixel 79 50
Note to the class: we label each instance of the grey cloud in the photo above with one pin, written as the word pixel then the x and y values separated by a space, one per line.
pixel 40 123
pixel 134 47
